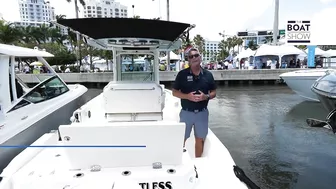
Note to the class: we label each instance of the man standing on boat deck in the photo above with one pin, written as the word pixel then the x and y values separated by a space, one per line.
pixel 195 86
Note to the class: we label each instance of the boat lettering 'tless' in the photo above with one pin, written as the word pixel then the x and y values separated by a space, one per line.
pixel 156 185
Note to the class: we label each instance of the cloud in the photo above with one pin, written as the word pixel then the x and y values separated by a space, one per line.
pixel 214 16
pixel 323 27
pixel 327 1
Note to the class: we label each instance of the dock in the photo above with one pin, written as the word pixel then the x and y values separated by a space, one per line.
pixel 221 76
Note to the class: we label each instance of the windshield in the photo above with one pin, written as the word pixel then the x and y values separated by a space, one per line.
pixel 137 67
pixel 30 72
pixel 22 83
pixel 46 90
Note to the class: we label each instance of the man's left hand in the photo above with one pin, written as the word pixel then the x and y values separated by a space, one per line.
pixel 201 96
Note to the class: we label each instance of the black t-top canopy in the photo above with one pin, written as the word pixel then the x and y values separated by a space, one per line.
pixel 102 28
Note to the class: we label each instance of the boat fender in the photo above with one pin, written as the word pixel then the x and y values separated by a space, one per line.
pixel 156 185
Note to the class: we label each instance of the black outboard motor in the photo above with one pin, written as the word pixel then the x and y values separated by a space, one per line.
pixel 325 89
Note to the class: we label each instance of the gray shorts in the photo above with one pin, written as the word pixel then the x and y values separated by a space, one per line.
pixel 200 121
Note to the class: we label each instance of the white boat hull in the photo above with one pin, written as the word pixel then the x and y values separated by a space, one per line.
pixel 301 86
pixel 213 169
pixel 301 81
pixel 56 111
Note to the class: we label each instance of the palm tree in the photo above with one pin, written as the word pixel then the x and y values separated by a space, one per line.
pixel 268 39
pixel 82 2
pixel 230 44
pixel 303 47
pixel 37 34
pixel 211 55
pixel 252 45
pixel 223 46
pixel 199 42
pixel 8 33
pixel 60 17
pixel 238 41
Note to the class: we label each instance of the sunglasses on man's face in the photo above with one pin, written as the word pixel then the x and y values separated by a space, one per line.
pixel 193 56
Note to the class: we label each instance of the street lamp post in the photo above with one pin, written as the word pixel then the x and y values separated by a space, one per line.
pixel 78 37
pixel 168 52
pixel 276 22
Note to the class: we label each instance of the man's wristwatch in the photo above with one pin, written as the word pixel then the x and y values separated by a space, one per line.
pixel 208 96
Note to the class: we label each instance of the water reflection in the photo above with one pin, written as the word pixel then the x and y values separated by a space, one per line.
pixel 265 131
pixel 304 109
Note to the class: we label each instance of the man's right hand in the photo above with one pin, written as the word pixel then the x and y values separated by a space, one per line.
pixel 192 97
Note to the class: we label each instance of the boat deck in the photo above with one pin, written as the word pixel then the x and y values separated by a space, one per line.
pixel 49 168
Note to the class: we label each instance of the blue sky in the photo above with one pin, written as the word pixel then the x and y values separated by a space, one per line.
pixel 210 16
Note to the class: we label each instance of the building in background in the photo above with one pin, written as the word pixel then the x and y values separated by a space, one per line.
pixel 258 37
pixel 35 12
pixel 104 9
pixel 211 50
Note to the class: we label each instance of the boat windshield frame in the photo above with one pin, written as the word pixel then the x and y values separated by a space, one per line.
pixel 16 101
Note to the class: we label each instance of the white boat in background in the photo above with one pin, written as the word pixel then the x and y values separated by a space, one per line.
pixel 301 81
pixel 128 137
pixel 28 113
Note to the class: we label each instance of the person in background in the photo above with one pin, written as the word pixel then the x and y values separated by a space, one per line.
pixel 130 68
pixel 273 64
pixel 298 63
pixel 230 66
pixel 241 64
pixel 233 64
pixel 226 65
pixel 27 69
pixel 219 66
pixel 246 64
pixel 268 62
pixel 81 68
pixel 36 70
pixel 195 86
pixel 291 64
pixel 277 64
pixel 186 65
pixel 304 63
pixel 258 64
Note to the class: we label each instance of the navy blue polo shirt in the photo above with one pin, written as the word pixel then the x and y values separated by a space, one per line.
pixel 187 82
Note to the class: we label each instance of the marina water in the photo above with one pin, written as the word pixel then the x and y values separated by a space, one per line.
pixel 264 129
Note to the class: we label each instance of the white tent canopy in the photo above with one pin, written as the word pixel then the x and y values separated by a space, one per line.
pixel 265 50
pixel 319 52
pixel 173 56
pixel 245 53
pixel 330 53
pixel 268 50
pixel 101 61
pixel 290 49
